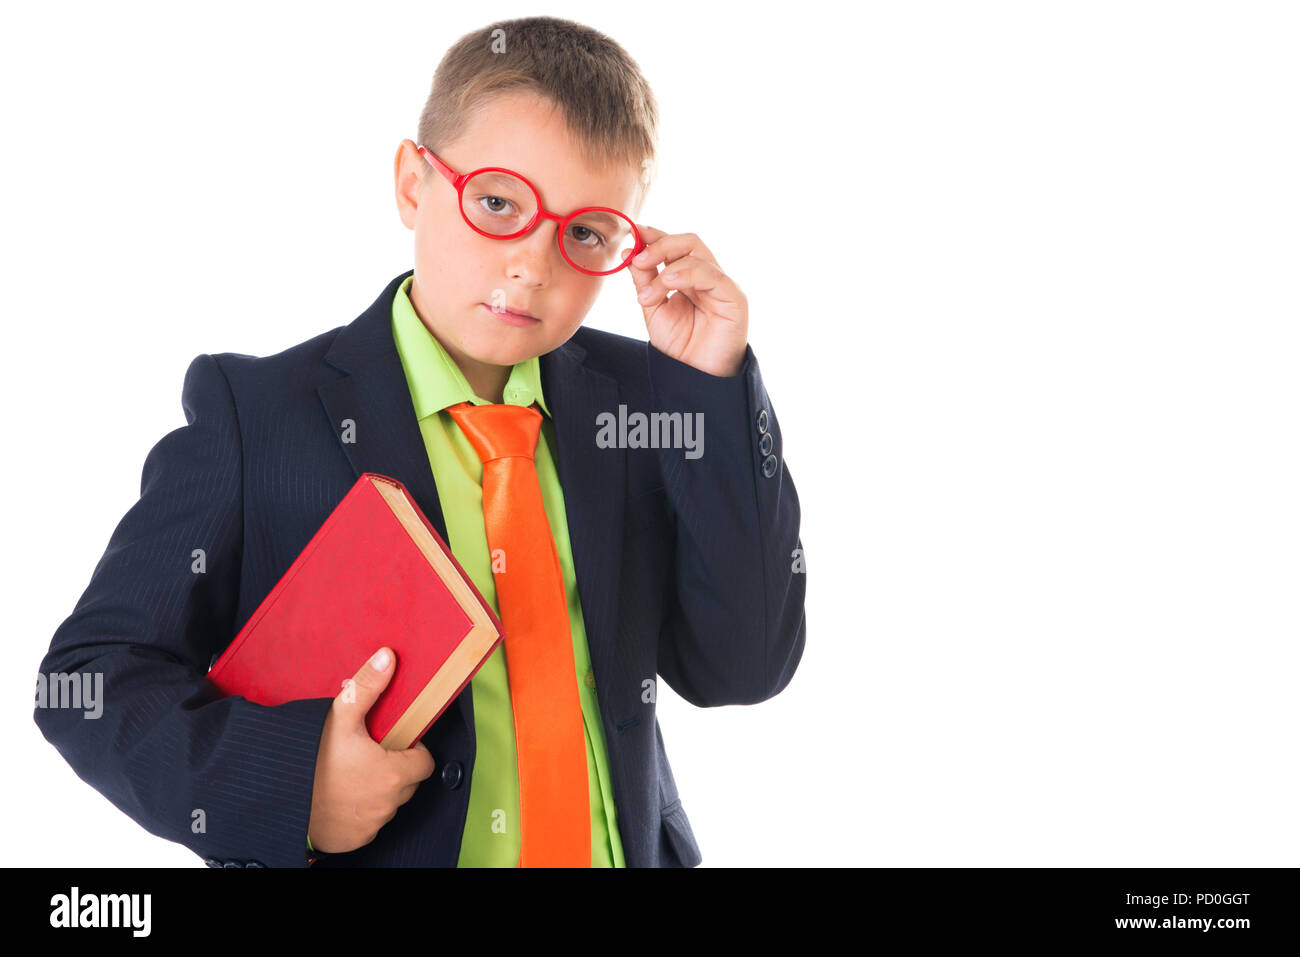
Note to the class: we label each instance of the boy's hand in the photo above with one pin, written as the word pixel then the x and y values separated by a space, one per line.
pixel 705 322
pixel 359 783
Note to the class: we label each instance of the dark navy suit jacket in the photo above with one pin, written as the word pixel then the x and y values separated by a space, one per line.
pixel 686 569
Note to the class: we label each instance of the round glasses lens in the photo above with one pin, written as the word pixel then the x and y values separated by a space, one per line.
pixel 595 239
pixel 498 203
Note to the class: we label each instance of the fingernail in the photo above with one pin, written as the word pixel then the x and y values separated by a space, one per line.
pixel 380 661
pixel 670 275
pixel 645 294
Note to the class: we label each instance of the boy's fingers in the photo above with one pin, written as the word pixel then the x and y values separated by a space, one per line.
pixel 651 294
pixel 664 248
pixel 641 270
pixel 406 793
pixel 362 690
pixel 699 276
pixel 416 762
pixel 649 233
pixel 688 274
pixel 640 276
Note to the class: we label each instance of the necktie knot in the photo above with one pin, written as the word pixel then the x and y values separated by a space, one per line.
pixel 499 431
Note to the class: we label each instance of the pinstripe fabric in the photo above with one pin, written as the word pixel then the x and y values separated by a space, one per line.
pixel 683 569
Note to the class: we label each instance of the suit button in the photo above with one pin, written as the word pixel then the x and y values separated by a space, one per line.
pixel 211 862
pixel 255 864
pixel 765 443
pixel 762 421
pixel 452 774
pixel 232 864
pixel 769 466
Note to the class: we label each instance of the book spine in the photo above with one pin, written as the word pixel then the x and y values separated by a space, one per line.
pixel 446 550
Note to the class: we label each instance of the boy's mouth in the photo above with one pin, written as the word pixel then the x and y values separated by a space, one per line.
pixel 511 316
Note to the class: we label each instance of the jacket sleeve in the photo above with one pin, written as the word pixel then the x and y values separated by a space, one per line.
pixel 734 633
pixel 229 779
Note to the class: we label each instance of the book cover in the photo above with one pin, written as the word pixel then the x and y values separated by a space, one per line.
pixel 375 574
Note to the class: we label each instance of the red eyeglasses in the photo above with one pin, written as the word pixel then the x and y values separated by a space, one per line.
pixel 501 204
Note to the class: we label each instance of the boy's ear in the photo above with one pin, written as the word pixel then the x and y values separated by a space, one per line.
pixel 408 158
pixel 405 192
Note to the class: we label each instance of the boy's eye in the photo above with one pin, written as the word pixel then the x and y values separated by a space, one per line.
pixel 585 235
pixel 495 204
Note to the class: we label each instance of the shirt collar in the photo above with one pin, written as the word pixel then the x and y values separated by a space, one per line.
pixel 436 381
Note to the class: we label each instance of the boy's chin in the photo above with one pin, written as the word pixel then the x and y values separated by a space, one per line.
pixel 503 354
pixel 512 346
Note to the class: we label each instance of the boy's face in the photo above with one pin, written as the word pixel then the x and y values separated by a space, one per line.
pixel 459 274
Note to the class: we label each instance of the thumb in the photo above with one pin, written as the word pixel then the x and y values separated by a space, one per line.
pixel 639 275
pixel 363 689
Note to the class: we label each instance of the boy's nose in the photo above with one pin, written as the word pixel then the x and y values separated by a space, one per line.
pixel 530 255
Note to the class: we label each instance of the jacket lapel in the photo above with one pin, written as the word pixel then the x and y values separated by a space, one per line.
pixel 593 481
pixel 371 391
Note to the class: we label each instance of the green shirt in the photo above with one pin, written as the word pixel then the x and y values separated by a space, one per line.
pixel 492 835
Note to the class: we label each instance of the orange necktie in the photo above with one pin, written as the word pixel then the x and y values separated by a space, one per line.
pixel 552 749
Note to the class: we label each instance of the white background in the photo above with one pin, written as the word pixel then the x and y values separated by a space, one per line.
pixel 1023 288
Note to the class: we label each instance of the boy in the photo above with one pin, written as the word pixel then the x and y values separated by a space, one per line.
pixel 610 556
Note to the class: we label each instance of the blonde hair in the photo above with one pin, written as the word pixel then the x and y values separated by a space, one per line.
pixel 606 102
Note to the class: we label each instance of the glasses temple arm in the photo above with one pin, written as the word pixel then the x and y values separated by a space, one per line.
pixel 448 174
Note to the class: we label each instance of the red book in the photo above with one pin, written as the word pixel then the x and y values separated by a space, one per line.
pixel 375 574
